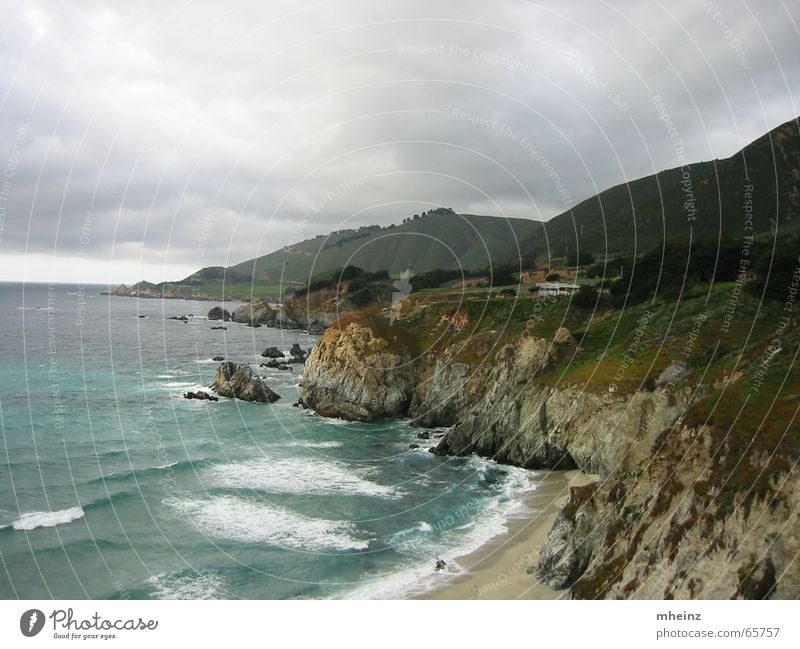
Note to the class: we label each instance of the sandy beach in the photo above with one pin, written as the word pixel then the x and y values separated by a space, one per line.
pixel 498 570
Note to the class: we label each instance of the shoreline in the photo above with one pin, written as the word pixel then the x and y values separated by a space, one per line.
pixel 498 569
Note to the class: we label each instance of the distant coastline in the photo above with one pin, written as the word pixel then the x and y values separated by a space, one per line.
pixel 187 298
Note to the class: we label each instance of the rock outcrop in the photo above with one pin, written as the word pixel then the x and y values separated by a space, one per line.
pixel 354 374
pixel 660 522
pixel 495 409
pixel 239 381
pixel 567 553
pixel 564 337
pixel 283 316
pixel 268 314
pixel 672 529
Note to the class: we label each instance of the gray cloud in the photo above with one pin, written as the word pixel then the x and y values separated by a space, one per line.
pixel 124 125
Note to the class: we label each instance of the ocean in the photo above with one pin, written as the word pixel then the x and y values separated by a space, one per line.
pixel 112 485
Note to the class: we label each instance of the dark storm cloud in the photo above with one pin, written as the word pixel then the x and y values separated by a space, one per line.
pixel 138 131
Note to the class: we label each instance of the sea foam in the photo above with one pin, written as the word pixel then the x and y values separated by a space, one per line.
pixel 455 540
pixel 299 475
pixel 301 444
pixel 238 519
pixel 181 586
pixel 32 520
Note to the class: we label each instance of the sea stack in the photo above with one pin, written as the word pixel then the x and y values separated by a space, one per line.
pixel 238 381
pixel 218 313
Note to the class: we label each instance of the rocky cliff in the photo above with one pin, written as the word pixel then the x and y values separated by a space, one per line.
pixel 495 408
pixel 682 509
pixel 675 527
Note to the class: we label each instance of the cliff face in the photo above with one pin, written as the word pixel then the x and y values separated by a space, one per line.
pixel 674 528
pixel 503 413
pixel 660 522
pixel 496 409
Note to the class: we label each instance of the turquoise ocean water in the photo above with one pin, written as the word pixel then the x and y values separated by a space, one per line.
pixel 112 485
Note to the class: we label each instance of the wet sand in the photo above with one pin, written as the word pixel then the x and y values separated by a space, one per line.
pixel 498 570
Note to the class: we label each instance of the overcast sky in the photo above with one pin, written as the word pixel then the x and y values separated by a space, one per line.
pixel 143 140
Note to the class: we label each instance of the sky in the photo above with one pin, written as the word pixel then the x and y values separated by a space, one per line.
pixel 145 140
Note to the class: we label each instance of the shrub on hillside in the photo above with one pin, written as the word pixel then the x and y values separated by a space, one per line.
pixel 362 296
pixel 582 258
pixel 586 297
pixel 778 272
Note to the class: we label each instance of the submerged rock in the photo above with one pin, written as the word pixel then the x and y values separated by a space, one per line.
pixel 272 364
pixel 200 394
pixel 237 380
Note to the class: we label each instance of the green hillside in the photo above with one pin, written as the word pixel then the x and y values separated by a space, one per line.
pixel 438 239
pixel 707 200
pixel 754 192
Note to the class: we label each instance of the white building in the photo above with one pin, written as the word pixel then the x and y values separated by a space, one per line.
pixel 557 288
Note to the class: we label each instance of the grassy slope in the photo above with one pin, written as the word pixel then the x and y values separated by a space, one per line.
pixel 428 243
pixel 249 291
